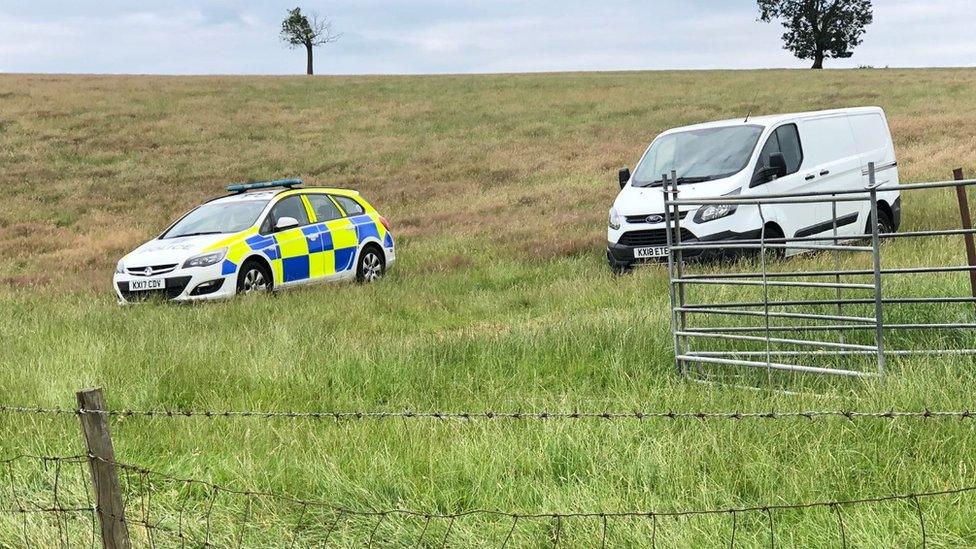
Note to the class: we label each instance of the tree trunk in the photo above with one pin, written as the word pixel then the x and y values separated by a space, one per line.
pixel 308 48
pixel 817 61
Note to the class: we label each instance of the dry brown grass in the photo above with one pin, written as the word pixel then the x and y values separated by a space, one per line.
pixel 516 165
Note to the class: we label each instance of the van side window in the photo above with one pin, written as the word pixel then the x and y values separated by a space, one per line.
pixel 785 140
pixel 789 145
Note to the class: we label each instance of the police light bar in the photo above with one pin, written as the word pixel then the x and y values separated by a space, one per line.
pixel 241 187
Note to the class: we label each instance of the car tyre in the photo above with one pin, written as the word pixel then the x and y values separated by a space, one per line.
pixel 372 265
pixel 254 277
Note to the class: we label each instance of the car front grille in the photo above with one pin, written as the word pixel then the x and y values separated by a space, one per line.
pixel 643 217
pixel 651 237
pixel 174 287
pixel 156 269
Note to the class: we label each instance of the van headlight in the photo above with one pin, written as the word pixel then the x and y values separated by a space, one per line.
pixel 205 260
pixel 712 212
pixel 120 267
pixel 614 221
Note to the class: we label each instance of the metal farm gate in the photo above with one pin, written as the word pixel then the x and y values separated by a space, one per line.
pixel 838 308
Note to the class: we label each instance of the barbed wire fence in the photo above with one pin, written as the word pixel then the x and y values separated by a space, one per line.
pixel 351 415
pixel 95 500
pixel 186 514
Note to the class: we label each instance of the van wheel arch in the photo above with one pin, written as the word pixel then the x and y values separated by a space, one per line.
pixel 773 228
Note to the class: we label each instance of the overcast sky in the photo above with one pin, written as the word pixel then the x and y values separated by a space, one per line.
pixel 452 36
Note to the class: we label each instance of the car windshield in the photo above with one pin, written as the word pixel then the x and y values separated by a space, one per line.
pixel 698 155
pixel 218 218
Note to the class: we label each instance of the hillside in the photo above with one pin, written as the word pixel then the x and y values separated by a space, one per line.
pixel 497 188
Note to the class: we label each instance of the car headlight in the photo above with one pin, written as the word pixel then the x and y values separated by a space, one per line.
pixel 205 260
pixel 712 212
pixel 614 221
pixel 120 267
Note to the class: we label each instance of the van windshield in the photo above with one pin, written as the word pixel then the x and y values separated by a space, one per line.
pixel 698 155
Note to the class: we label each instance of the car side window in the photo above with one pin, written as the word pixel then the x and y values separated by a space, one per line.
pixel 785 140
pixel 324 208
pixel 287 207
pixel 350 205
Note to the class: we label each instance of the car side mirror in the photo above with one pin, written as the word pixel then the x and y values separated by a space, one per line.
pixel 778 162
pixel 623 176
pixel 286 223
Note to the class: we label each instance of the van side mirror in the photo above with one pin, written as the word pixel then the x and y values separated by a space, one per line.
pixel 623 176
pixel 286 223
pixel 775 170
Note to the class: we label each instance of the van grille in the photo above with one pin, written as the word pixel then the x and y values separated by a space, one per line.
pixel 651 237
pixel 643 217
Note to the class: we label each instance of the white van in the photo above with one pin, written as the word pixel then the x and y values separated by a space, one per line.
pixel 788 153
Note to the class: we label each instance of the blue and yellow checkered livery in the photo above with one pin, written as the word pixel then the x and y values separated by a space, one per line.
pixel 320 249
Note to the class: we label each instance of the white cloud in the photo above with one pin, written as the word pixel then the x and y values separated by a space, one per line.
pixel 421 36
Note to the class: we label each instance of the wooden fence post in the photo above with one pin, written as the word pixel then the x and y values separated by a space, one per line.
pixel 967 224
pixel 105 478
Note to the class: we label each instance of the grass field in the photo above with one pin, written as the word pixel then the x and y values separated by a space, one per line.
pixel 497 188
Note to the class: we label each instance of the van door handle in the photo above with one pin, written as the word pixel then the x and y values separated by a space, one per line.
pixel 824 172
pixel 809 177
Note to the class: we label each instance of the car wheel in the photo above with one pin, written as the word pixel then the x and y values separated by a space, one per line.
pixel 371 265
pixel 253 277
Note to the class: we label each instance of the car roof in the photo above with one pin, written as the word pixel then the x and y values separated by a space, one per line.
pixel 269 194
pixel 773 119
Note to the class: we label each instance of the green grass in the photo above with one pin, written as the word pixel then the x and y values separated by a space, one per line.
pixel 498 188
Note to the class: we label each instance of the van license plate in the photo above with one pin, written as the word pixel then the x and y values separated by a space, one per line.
pixel 148 284
pixel 655 251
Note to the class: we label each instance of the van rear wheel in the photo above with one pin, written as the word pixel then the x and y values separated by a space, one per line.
pixel 885 223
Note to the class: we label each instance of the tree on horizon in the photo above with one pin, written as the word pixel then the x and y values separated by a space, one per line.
pixel 297 30
pixel 819 29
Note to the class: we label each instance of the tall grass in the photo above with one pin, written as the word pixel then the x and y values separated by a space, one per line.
pixel 497 187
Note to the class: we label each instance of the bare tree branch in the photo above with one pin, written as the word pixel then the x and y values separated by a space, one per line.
pixel 322 31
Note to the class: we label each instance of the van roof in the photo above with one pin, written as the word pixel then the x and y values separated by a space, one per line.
pixel 772 119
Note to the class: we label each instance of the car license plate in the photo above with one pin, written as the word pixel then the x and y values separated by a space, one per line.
pixel 148 284
pixel 654 251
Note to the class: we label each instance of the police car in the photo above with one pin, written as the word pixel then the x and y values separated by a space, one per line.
pixel 261 237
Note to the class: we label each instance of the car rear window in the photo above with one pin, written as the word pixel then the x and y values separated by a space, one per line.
pixel 324 208
pixel 350 205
